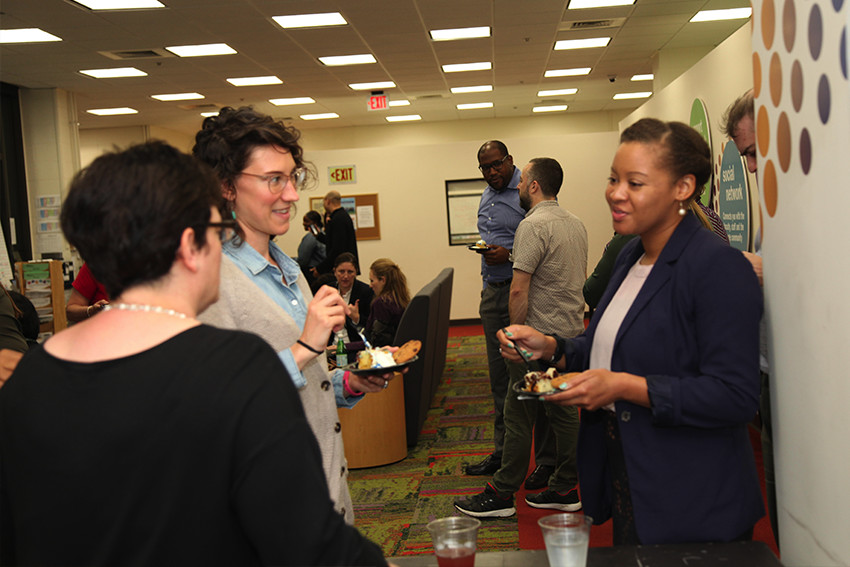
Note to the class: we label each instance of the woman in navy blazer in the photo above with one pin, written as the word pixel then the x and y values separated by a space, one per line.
pixel 670 375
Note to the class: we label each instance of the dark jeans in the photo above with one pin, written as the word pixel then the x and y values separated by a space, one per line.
pixel 520 417
pixel 494 316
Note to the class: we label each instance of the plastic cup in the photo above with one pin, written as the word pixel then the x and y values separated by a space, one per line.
pixel 566 537
pixel 455 540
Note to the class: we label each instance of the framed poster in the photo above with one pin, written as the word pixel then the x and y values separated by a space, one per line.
pixel 363 210
pixel 462 199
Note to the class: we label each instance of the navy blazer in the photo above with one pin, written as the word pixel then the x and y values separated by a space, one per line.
pixel 693 332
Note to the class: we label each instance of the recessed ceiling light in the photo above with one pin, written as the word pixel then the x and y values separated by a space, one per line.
pixel 112 111
pixel 581 43
pixel 567 72
pixel 208 114
pixel 177 96
pixel 624 96
pixel 459 67
pixel 557 92
pixel 551 108
pixel 474 105
pixel 310 20
pixel 717 15
pixel 475 89
pixel 323 116
pixel 399 102
pixel 291 101
pixel 201 50
pixel 646 77
pixel 339 60
pixel 26 35
pixel 405 118
pixel 254 81
pixel 372 86
pixel 581 4
pixel 114 73
pixel 119 4
pixel 459 33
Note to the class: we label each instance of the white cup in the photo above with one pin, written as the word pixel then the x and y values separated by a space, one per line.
pixel 566 536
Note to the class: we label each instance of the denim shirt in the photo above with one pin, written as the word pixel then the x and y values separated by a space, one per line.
pixel 498 216
pixel 280 285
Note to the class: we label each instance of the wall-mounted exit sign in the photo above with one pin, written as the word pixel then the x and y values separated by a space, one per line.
pixel 378 102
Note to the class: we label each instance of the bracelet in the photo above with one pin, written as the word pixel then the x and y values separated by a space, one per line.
pixel 88 312
pixel 308 347
pixel 559 350
pixel 351 393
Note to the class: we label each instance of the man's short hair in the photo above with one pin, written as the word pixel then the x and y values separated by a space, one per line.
pixel 743 106
pixel 333 197
pixel 499 145
pixel 548 174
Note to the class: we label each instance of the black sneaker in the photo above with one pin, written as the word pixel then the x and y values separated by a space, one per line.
pixel 551 500
pixel 487 504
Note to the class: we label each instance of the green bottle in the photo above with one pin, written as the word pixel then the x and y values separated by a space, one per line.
pixel 341 354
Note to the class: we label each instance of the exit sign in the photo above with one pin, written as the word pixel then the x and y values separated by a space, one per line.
pixel 342 174
pixel 378 102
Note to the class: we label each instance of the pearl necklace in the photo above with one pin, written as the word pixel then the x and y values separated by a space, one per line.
pixel 146 308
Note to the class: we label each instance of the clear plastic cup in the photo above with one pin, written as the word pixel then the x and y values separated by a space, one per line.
pixel 455 539
pixel 566 536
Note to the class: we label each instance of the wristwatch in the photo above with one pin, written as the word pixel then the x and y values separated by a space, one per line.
pixel 559 350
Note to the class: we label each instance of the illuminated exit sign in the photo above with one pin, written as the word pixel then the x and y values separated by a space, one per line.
pixel 342 174
pixel 378 102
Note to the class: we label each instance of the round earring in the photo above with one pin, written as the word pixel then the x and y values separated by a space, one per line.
pixel 682 210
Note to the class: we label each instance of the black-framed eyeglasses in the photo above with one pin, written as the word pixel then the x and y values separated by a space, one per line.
pixel 277 182
pixel 493 165
pixel 226 229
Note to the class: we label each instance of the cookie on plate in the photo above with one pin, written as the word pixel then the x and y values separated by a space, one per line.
pixel 407 351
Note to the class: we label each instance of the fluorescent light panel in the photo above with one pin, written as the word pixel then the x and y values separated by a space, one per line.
pixel 718 15
pixel 460 67
pixel 114 73
pixel 372 86
pixel 475 89
pixel 557 92
pixel 405 118
pixel 550 108
pixel 567 72
pixel 254 81
pixel 310 20
pixel 27 35
pixel 291 101
pixel 581 43
pixel 201 50
pixel 322 116
pixel 112 111
pixel 459 33
pixel 119 4
pixel 340 60
pixel 177 96
pixel 625 96
pixel 582 4
pixel 475 105
pixel 646 77
pixel 399 103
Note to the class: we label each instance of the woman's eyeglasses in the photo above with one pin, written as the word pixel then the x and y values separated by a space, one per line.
pixel 277 182
pixel 226 229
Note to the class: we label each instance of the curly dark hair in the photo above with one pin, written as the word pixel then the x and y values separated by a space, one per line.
pixel 315 218
pixel 225 141
pixel 127 211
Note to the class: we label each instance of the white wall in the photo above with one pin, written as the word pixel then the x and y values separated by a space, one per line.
pixel 410 183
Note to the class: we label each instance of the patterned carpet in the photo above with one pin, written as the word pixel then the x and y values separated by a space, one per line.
pixel 392 504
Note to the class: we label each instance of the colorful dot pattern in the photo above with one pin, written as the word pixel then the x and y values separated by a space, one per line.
pixel 799 57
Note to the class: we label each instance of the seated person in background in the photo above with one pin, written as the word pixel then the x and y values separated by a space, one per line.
pixel 30 323
pixel 358 295
pixel 311 251
pixel 391 299
pixel 88 296
pixel 142 436
pixel 12 341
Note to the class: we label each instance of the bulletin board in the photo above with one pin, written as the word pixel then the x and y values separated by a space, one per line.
pixel 363 210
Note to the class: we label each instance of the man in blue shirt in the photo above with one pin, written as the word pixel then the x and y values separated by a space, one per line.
pixel 499 214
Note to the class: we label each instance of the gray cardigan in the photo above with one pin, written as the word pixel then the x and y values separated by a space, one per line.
pixel 242 305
